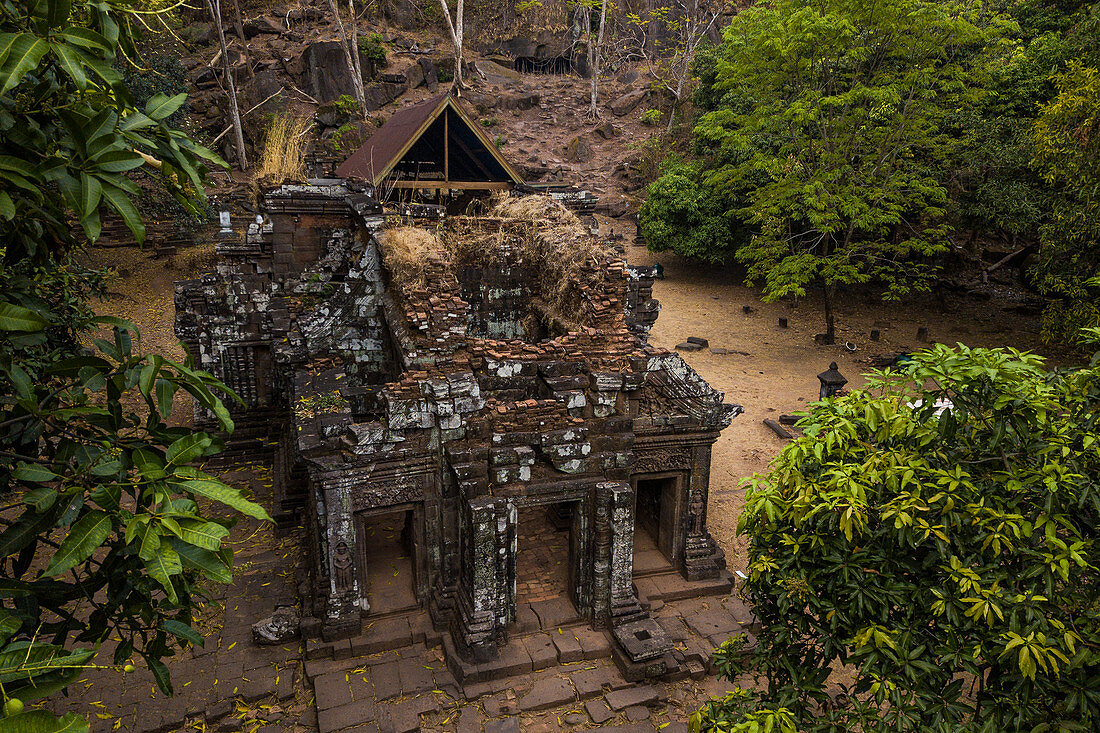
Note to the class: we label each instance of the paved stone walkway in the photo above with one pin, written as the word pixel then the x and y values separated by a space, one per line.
pixel 542 559
pixel 229 684
pixel 562 679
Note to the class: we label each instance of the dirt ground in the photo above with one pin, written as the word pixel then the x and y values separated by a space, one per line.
pixel 776 374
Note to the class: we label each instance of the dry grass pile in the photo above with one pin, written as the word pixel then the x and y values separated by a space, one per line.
pixel 542 236
pixel 191 262
pixel 407 252
pixel 283 156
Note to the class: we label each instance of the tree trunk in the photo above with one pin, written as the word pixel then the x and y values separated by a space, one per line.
pixel 594 59
pixel 455 29
pixel 676 100
pixel 239 20
pixel 354 43
pixel 215 8
pixel 353 66
pixel 830 323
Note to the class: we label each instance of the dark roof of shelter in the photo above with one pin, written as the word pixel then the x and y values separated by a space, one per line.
pixel 378 155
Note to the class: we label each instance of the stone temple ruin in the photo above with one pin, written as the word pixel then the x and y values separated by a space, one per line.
pixel 465 417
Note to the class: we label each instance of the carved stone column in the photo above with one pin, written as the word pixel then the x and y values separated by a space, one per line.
pixel 342 607
pixel 703 558
pixel 485 601
pixel 613 599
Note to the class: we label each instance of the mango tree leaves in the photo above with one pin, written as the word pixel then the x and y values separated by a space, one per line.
pixel 938 526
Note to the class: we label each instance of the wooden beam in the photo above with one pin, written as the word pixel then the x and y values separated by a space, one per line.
pixel 446 145
pixel 463 185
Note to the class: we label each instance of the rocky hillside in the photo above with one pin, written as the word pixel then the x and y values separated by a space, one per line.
pixel 288 60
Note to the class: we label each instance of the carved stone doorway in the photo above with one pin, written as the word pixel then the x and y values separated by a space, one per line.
pixel 655 521
pixel 544 552
pixel 388 544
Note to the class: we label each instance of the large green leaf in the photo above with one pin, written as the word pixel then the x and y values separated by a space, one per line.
pixel 227 495
pixel 162 567
pixel 25 53
pixel 183 631
pixel 42 721
pixel 208 535
pixel 205 561
pixel 85 537
pixel 25 530
pixel 33 472
pixel 188 448
pixel 161 106
pixel 122 204
pixel 18 318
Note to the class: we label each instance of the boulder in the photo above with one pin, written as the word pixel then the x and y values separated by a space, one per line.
pixel 578 150
pixel 494 73
pixel 278 628
pixel 480 101
pixel 607 130
pixel 627 77
pixel 264 24
pixel 380 94
pixel 519 100
pixel 324 71
pixel 629 102
pixel 262 86
pixel 431 74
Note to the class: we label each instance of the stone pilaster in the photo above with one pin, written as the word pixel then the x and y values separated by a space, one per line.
pixel 613 599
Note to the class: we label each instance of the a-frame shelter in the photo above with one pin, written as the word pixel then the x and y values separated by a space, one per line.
pixel 434 144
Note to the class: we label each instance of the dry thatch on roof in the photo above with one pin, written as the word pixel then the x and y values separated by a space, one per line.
pixel 407 251
pixel 538 234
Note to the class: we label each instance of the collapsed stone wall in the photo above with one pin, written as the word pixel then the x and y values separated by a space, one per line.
pixel 393 394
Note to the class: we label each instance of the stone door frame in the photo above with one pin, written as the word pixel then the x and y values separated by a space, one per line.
pixel 676 529
pixel 362 555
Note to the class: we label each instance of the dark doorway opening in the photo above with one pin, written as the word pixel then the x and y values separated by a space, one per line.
pixel 654 519
pixel 553 65
pixel 388 548
pixel 544 552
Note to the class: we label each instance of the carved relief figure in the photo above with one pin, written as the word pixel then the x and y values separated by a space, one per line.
pixel 343 577
pixel 697 507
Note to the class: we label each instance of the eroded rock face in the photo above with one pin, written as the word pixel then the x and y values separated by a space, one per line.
pixel 629 102
pixel 278 628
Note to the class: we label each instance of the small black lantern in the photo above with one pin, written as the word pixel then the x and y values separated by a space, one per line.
pixel 832 381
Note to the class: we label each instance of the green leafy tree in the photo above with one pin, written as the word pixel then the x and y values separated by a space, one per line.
pixel 1067 142
pixel 935 535
pixel 103 536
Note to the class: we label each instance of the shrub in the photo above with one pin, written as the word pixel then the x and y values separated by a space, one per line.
pixel 651 117
pixel 283 155
pixel 372 51
pixel 937 535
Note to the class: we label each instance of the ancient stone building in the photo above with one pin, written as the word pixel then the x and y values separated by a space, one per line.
pixel 465 416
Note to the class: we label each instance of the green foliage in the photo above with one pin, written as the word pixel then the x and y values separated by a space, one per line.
pixel 936 534
pixel 346 104
pixel 70 126
pixel 489 121
pixel 106 538
pixel 681 215
pixel 1067 142
pixel 842 128
pixel 373 51
pixel 500 140
pixel 651 117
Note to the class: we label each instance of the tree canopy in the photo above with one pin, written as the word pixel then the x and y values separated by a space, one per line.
pixel 103 535
pixel 844 143
pixel 936 536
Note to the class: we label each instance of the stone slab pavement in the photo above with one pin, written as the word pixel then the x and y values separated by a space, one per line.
pixel 229 684
pixel 411 689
